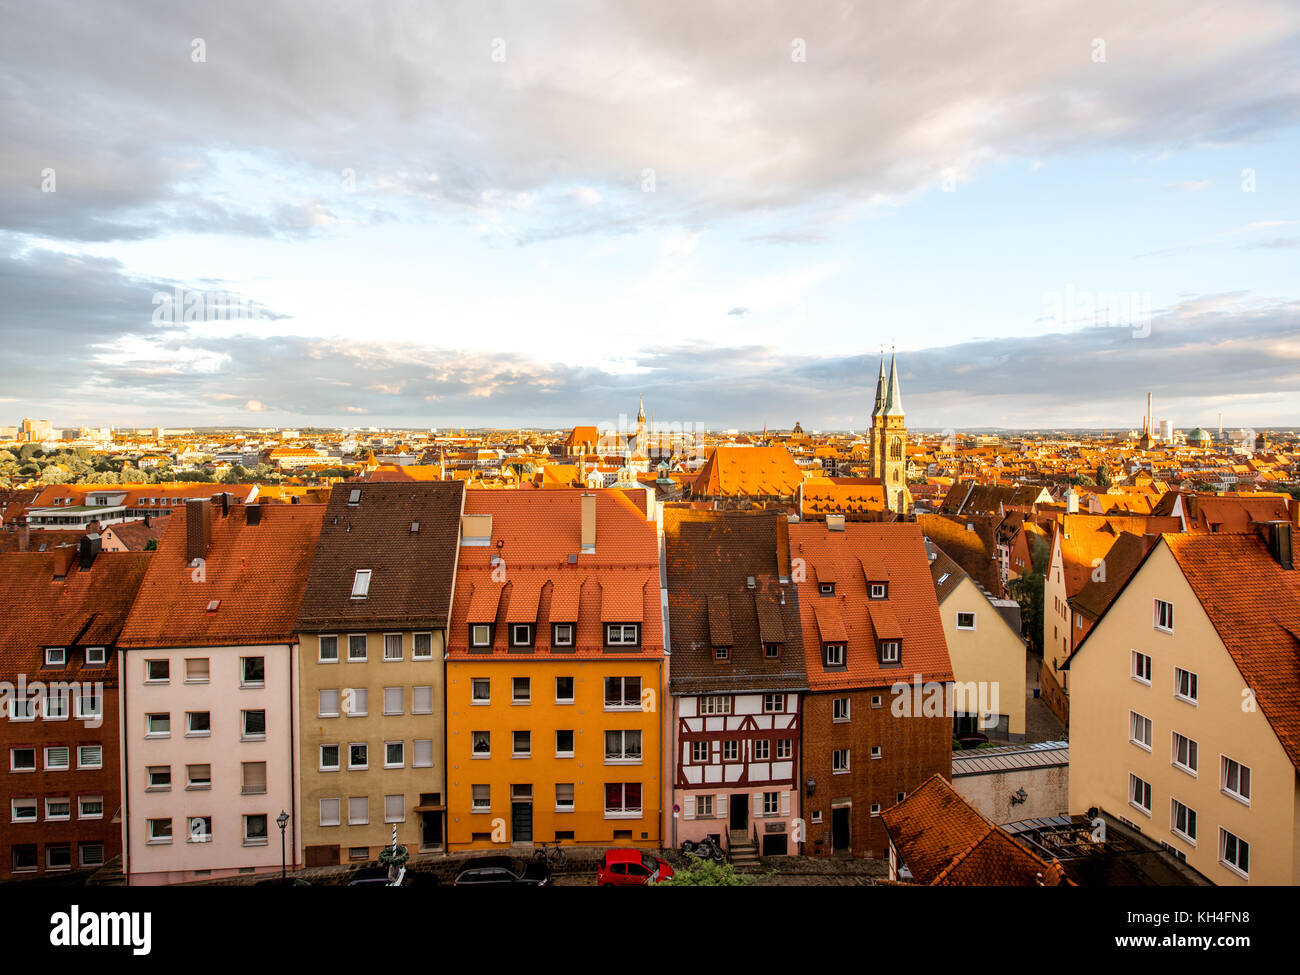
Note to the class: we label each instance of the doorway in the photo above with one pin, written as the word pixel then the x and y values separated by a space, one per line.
pixel 521 822
pixel 840 828
pixel 739 812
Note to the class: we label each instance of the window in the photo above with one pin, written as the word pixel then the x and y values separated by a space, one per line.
pixel 889 651
pixel 329 758
pixel 965 621
pixel 253 671
pixel 564 743
pixel 771 651
pixel 699 751
pixel 840 760
pixel 622 746
pixel 58 758
pixel 56 656
pixel 762 750
pixel 480 635
pixel 1141 668
pixel 58 857
pixel 834 654
pixel 564 690
pixel 622 634
pixel 721 653
pixel 358 810
pixel 331 812
pixel 773 703
pixel 89 703
pixel 422 699
pixel 90 756
pixel 784 748
pixel 1234 853
pixel 423 753
pixel 1235 779
pixel 393 700
pixel 826 589
pixel 358 853
pixel 198 724
pixel 877 701
pixel 521 635
pixel 704 807
pixel 254 725
pixel 357 649
pixel 197 670
pixel 481 744
pixel 158 830
pixel 879 590
pixel 358 755
pixel 198 777
pixel 329 704
pixel 394 809
pixel 328 652
pixel 1184 753
pixel 356 702
pixel 562 635
pixel 521 690
pixel 95 657
pixel 21 708
pixel 92 854
pixel 157 671
pixel 623 799
pixel 24 858
pixel 564 797
pixel 480 690
pixel 521 744
pixel 354 497
pixel 361 584
pixel 158 777
pixel 90 807
pixel 1182 821
pixel 716 704
pixel 252 778
pixel 255 829
pixel 392 646
pixel 1185 688
pixel 875 751
pixel 731 751
pixel 22 810
pixel 422 647
pixel 1139 732
pixel 1139 793
pixel 481 798
pixel 200 829
pixel 771 803
pixel 1164 621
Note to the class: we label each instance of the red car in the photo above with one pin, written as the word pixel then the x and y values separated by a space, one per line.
pixel 631 868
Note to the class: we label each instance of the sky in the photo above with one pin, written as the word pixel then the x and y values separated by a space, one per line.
pixel 535 214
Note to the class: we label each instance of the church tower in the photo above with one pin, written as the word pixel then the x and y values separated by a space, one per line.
pixel 642 448
pixel 889 438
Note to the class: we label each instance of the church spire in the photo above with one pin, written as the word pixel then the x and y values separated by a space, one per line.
pixel 880 389
pixel 640 413
pixel 894 399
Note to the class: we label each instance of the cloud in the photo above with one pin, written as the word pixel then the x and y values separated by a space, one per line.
pixel 739 312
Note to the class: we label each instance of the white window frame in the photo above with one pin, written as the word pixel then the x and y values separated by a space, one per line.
pixel 415 753
pixel 834 654
pixel 1225 766
pixel 97 764
pixel 15 768
pixel 480 634
pixel 845 713
pixel 1194 686
pixel 1135 657
pixel 352 767
pixel 100 658
pixel 567 630
pixel 617 634
pixel 573 690
pixel 838 767
pixel 891 651
pixel 361 583
pixel 515 629
pixel 514 693
pixel 365 648
pixel 960 614
pixel 401 650
pixel 338 813
pixel 415 645
pixel 1190 818
pixel 51 660
pixel 81 807
pixel 401 760
pixel 320 757
pixel 1163 609
pixel 473 682
pixel 1193 753
pixel 1133 782
pixel 1134 724
pixel 1224 836
pixel 320 642
pixel 416 707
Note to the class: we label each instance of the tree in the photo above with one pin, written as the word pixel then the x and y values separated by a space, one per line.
pixel 1027 590
pixel 706 873
pixel 1103 476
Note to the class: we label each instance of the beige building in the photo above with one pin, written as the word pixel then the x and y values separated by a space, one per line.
pixel 988 654
pixel 373 639
pixel 1185 705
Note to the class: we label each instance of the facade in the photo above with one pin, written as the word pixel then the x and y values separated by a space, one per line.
pixel 877 718
pixel 60 616
pixel 889 439
pixel 738 679
pixel 1185 723
pixel 209 699
pixel 556 672
pixel 373 635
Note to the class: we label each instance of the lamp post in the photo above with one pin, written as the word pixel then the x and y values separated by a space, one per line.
pixel 282 821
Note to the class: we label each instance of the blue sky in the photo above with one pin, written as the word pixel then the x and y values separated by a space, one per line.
pixel 456 240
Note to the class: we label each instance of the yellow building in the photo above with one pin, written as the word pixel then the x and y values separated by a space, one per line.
pixel 555 672
pixel 1184 717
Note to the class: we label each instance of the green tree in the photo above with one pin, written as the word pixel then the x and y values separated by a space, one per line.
pixel 1027 590
pixel 1103 476
pixel 706 873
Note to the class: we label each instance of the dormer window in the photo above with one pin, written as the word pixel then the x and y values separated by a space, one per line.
pixel 834 654
pixel 826 588
pixel 480 635
pixel 56 656
pixel 521 635
pixel 878 590
pixel 361 584
pixel 890 652
pixel 95 656
pixel 562 634
pixel 721 653
pixel 622 634
pixel 354 497
pixel 771 651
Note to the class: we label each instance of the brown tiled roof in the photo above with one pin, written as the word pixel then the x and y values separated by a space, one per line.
pixel 1121 560
pixel 974 550
pixel 255 573
pixel 411 572
pixel 946 842
pixel 710 557
pixel 135 535
pixel 753 472
pixel 1087 538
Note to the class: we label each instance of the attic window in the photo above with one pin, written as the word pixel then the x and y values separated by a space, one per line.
pixel 721 653
pixel 879 590
pixel 890 652
pixel 354 497
pixel 213 605
pixel 834 654
pixel 415 527
pixel 826 588
pixel 771 651
pixel 944 578
pixel 361 584
pixel 56 656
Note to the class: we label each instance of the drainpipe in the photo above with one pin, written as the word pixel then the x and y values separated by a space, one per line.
pixel 293 759
pixel 126 766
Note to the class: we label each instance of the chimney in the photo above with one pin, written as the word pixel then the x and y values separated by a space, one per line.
pixel 64 556
pixel 835 523
pixel 253 514
pixel 24 535
pixel 1277 535
pixel 198 528
pixel 588 522
pixel 87 549
pixel 1072 501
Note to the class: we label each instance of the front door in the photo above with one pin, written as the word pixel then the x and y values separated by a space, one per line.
pixel 739 812
pixel 840 827
pixel 521 822
pixel 431 831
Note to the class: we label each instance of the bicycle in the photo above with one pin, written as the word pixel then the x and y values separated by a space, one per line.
pixel 552 856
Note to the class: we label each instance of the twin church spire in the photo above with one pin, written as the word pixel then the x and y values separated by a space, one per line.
pixel 889 438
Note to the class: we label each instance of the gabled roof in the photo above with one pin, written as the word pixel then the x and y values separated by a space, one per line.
pixel 1123 557
pixel 255 574
pixel 974 548
pixel 411 571
pixel 748 472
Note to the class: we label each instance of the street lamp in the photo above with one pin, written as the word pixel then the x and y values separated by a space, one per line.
pixel 282 821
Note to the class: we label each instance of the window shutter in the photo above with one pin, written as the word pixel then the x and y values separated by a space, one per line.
pixel 785 804
pixel 722 805
pixel 688 808
pixel 758 804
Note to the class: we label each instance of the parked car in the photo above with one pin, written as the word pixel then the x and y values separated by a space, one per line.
pixel 378 877
pixel 631 868
pixel 504 870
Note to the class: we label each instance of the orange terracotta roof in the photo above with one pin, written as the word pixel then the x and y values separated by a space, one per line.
pixel 748 472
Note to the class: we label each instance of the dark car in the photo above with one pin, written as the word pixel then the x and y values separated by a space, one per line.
pixel 504 870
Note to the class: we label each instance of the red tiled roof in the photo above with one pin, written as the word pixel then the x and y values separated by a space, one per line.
pixel 749 472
